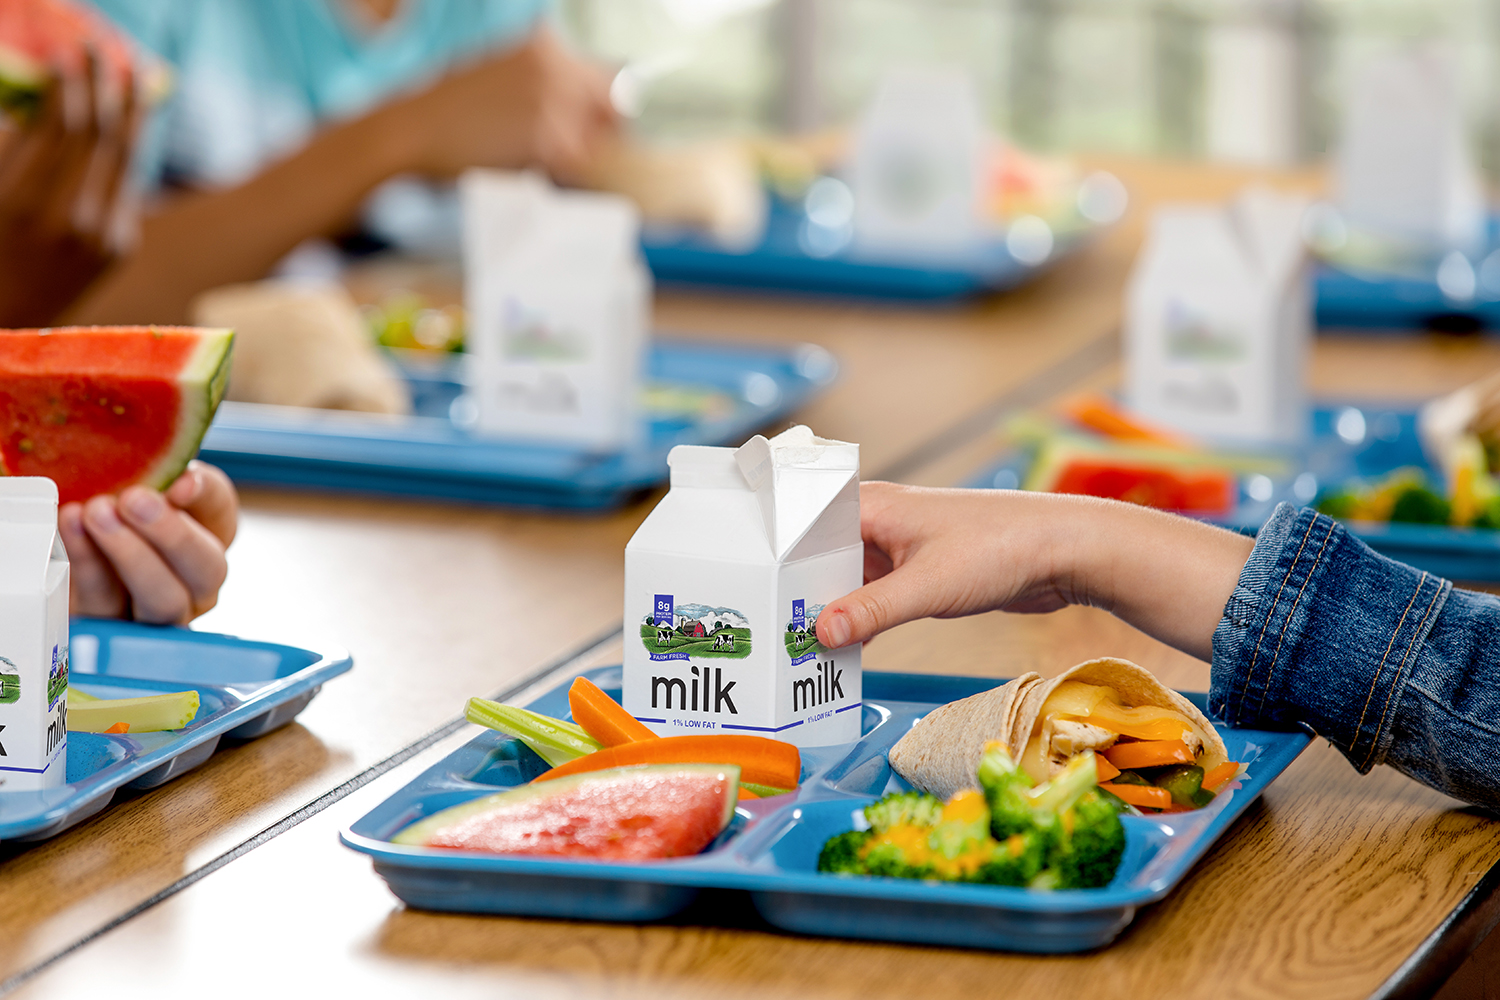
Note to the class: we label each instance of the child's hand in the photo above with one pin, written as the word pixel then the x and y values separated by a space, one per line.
pixel 155 557
pixel 947 553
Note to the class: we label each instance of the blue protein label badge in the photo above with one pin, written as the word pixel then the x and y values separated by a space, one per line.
pixel 677 632
pixel 801 632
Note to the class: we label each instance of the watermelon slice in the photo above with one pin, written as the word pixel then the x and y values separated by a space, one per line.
pixel 625 813
pixel 97 409
pixel 1164 478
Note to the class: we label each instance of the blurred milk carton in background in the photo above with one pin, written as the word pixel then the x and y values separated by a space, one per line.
pixel 918 168
pixel 33 637
pixel 559 304
pixel 724 582
pixel 1218 320
pixel 1404 169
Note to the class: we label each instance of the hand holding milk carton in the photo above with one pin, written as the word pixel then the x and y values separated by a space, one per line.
pixel 559 308
pixel 33 637
pixel 723 586
pixel 1218 320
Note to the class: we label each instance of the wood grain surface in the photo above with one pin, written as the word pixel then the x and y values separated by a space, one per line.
pixel 1321 890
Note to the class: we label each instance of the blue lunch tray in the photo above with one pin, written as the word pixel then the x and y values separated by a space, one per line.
pixel 246 689
pixel 427 455
pixel 1381 439
pixel 781 261
pixel 771 847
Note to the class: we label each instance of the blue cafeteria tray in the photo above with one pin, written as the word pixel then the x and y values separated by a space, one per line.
pixel 1376 439
pixel 246 689
pixel 780 261
pixel 427 455
pixel 771 848
pixel 1394 302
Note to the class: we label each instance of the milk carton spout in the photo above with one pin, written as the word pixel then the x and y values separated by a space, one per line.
pixel 797 479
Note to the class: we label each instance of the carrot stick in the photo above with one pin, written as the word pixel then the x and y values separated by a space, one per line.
pixel 761 761
pixel 1145 796
pixel 1218 775
pixel 1151 753
pixel 602 717
pixel 1100 414
pixel 746 794
pixel 119 727
pixel 1107 771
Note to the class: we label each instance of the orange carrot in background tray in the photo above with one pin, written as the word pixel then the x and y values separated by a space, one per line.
pixel 1151 753
pixel 602 717
pixel 761 761
pixel 1143 796
pixel 1218 775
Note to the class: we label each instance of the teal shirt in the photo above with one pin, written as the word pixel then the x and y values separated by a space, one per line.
pixel 253 79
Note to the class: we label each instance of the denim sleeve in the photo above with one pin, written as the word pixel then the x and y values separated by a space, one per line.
pixel 1390 664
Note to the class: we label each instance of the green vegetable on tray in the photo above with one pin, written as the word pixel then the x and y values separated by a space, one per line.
pixel 554 740
pixel 146 714
pixel 1063 834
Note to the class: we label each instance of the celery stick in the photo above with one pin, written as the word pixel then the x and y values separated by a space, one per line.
pixel 149 714
pixel 77 695
pixel 554 740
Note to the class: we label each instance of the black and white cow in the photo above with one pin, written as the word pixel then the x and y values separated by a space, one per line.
pixel 724 641
pixel 664 637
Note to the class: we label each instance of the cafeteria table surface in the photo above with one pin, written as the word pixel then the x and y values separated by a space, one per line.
pixel 231 878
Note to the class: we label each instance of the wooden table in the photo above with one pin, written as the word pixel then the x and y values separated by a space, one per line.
pixel 1325 888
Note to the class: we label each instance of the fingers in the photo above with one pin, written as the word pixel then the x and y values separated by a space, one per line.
pixel 94 588
pixel 883 604
pixel 208 496
pixel 170 564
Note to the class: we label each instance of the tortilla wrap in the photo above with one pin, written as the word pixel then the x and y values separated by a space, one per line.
pixel 1136 687
pixel 940 754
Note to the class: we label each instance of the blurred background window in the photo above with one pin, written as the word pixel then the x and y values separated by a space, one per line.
pixel 1250 81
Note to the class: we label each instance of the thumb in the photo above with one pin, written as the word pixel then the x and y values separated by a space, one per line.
pixel 870 610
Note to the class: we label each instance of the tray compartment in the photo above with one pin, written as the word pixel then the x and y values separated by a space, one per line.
pixel 521 894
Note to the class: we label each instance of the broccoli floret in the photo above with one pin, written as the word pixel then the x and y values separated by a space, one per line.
pixel 963 827
pixel 889 861
pixel 1089 843
pixel 1016 860
pixel 1005 788
pixel 1419 505
pixel 1085 838
pixel 840 855
pixel 1341 504
pixel 903 809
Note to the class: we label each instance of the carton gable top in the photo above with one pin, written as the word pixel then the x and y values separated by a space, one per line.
pixel 1254 243
pixel 800 490
pixel 28 533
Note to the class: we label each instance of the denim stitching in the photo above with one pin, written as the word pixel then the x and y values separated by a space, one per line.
pixel 1271 670
pixel 1255 654
pixel 1380 668
pixel 1416 633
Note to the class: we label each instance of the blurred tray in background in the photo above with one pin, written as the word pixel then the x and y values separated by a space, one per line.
pixel 697 393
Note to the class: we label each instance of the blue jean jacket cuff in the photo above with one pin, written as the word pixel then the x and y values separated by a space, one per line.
pixel 1321 632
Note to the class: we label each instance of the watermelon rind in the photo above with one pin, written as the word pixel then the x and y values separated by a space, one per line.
pixel 22 83
pixel 420 832
pixel 202 382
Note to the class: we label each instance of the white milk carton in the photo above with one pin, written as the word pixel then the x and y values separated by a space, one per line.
pixel 559 308
pixel 723 586
pixel 33 637
pixel 1218 320
pixel 1404 169
pixel 917 173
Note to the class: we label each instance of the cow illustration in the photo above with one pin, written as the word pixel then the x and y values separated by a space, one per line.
pixel 725 641
pixel 799 637
pixel 664 637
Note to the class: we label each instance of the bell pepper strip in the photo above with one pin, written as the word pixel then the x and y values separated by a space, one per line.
pixel 1151 753
pixel 1218 775
pixel 602 717
pixel 1141 796
pixel 761 761
pixel 555 741
pixel 148 714
pixel 1107 771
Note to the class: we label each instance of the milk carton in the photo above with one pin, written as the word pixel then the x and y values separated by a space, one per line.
pixel 559 309
pixel 1218 320
pixel 917 173
pixel 33 637
pixel 724 583
pixel 1404 169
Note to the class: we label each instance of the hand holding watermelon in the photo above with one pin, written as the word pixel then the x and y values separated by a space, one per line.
pixel 71 93
pixel 156 557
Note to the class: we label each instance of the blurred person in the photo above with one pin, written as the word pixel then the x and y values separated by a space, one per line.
pixel 287 113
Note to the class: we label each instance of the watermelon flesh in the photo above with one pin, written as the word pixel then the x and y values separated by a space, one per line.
pixel 40 37
pixel 97 409
pixel 621 814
